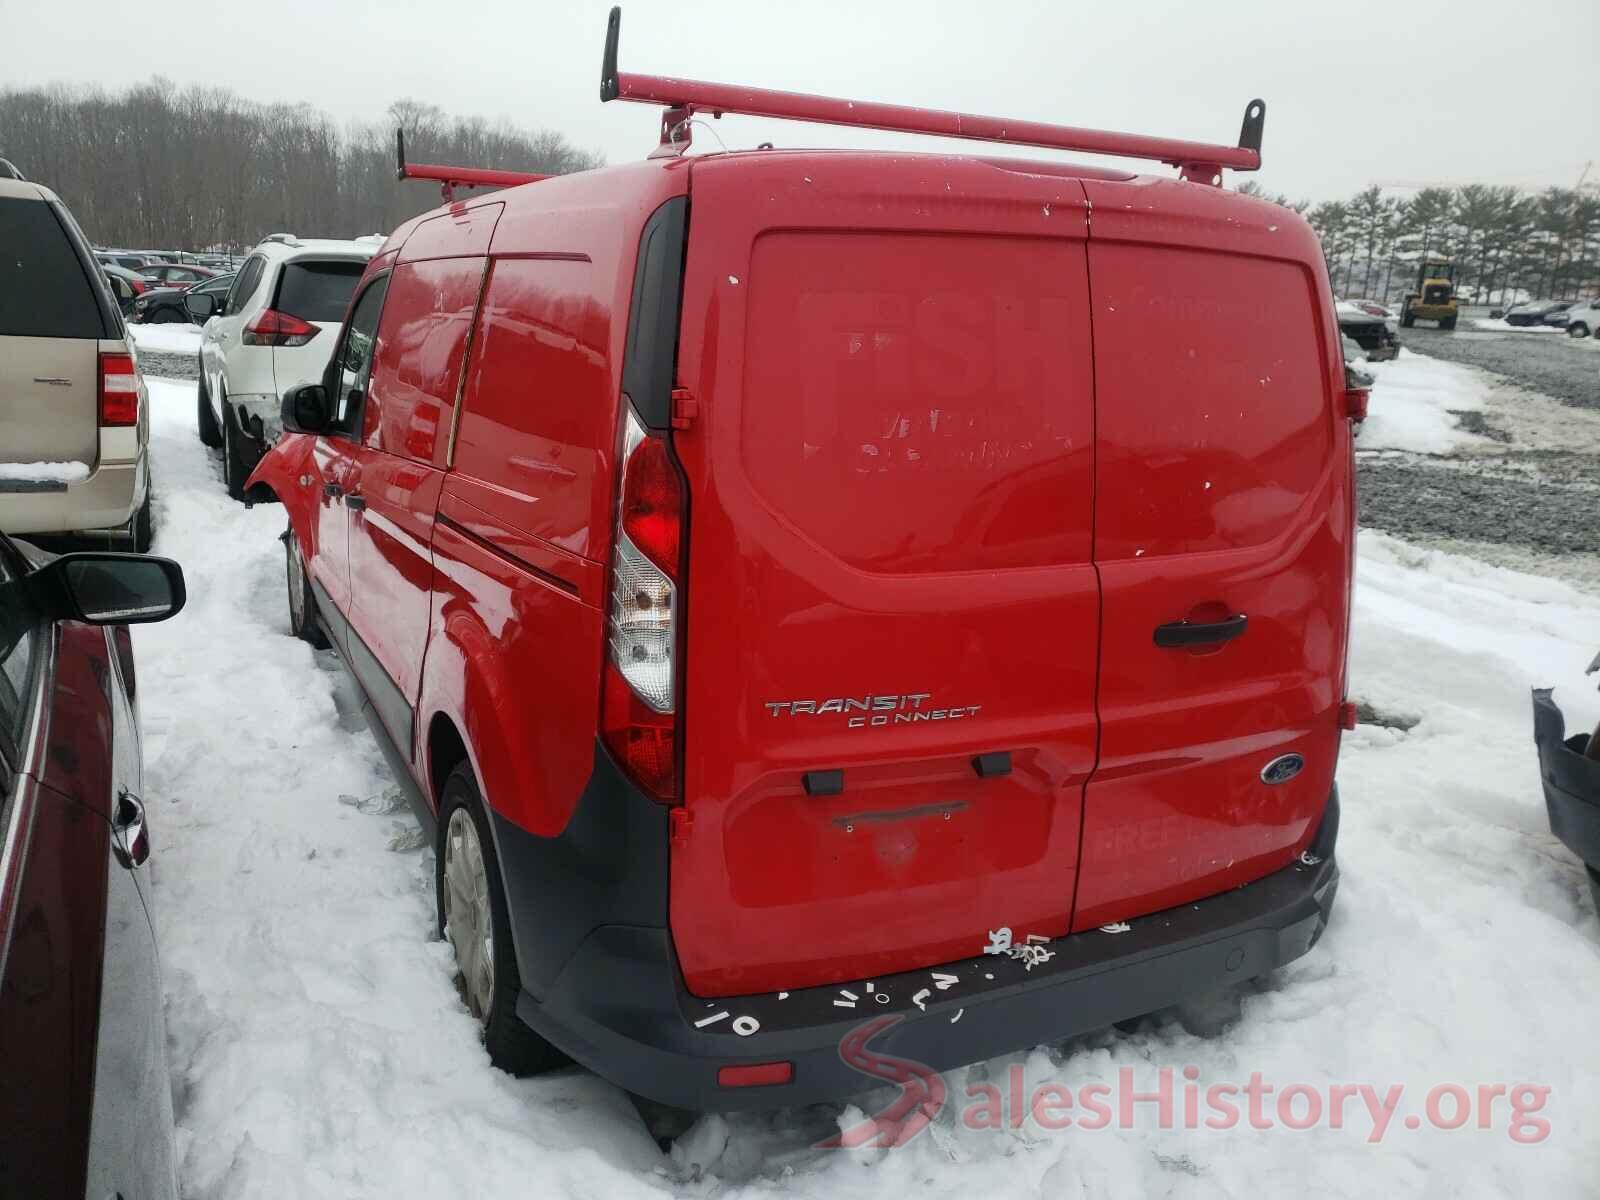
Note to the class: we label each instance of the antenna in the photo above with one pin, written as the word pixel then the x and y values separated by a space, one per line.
pixel 1198 161
pixel 450 178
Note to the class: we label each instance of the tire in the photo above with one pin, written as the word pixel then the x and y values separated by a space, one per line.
pixel 1448 323
pixel 463 840
pixel 205 419
pixel 233 469
pixel 163 316
pixel 1577 329
pixel 1407 320
pixel 303 622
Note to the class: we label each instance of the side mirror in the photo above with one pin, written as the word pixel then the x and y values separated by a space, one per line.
pixel 202 306
pixel 306 409
pixel 108 589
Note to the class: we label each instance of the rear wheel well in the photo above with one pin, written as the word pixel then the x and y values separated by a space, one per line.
pixel 446 751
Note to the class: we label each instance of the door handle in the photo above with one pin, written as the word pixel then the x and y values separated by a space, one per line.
pixel 129 840
pixel 1201 633
pixel 355 501
pixel 332 490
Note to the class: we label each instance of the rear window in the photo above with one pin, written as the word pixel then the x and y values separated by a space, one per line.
pixel 318 291
pixel 43 289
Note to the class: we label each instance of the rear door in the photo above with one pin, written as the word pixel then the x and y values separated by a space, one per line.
pixel 50 326
pixel 1223 511
pixel 891 505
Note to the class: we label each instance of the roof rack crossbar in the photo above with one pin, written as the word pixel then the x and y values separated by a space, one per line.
pixel 1198 160
pixel 450 178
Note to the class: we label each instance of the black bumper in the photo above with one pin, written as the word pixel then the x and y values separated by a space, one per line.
pixel 1571 785
pixel 617 1002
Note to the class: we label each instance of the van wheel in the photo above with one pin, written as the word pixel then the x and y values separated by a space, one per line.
pixel 233 472
pixel 303 622
pixel 205 419
pixel 472 915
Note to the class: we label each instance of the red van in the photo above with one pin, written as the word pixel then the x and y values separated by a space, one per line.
pixel 811 586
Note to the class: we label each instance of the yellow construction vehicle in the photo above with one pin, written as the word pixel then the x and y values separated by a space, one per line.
pixel 1435 296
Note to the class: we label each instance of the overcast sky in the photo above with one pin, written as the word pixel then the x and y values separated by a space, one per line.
pixel 1357 91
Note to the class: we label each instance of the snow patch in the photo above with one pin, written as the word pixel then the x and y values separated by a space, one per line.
pixel 166 338
pixel 1411 403
pixel 44 472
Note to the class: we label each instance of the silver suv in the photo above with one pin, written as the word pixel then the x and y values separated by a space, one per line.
pixel 74 413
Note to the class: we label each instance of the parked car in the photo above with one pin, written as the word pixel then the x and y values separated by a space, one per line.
pixel 74 458
pixel 126 286
pixel 1355 377
pixel 1533 312
pixel 1559 315
pixel 780 624
pixel 273 330
pixel 1374 308
pixel 126 259
pixel 178 274
pixel 166 305
pixel 1583 318
pixel 1375 334
pixel 1569 768
pixel 86 1109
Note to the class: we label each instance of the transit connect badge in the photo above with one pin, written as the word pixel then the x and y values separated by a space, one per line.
pixel 872 711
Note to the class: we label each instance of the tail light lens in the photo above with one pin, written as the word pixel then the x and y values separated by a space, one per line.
pixel 274 328
pixel 119 390
pixel 639 717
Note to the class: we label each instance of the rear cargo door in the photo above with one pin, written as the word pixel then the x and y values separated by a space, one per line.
pixel 891 497
pixel 50 328
pixel 1223 513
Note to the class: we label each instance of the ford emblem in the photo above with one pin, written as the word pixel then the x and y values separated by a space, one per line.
pixel 1282 769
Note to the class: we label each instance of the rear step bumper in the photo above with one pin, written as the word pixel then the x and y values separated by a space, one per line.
pixel 619 1006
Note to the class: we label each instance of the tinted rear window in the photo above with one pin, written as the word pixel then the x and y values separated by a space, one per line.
pixel 43 290
pixel 318 291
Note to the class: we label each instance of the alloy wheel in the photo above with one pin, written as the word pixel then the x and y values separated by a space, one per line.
pixel 469 923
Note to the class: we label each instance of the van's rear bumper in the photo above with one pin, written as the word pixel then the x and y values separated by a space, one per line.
pixel 619 1006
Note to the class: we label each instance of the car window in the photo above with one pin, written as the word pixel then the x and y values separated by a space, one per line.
pixel 318 291
pixel 18 642
pixel 354 360
pixel 212 286
pixel 44 291
pixel 244 286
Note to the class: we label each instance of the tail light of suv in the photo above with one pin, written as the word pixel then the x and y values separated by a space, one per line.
pixel 274 328
pixel 639 708
pixel 119 390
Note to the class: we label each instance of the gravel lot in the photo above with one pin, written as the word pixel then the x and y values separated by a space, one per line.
pixel 168 365
pixel 1528 496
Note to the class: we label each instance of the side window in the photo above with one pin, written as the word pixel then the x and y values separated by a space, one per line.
pixel 244 286
pixel 354 359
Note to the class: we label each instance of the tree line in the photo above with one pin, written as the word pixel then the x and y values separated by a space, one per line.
pixel 1507 244
pixel 162 168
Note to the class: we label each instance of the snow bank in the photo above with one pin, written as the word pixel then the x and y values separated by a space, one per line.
pixel 319 1048
pixel 1411 402
pixel 44 472
pixel 1502 326
pixel 169 338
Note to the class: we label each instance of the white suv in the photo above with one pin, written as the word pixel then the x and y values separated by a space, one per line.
pixel 1583 318
pixel 275 329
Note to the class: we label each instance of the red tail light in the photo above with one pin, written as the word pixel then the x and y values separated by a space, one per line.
pixel 639 711
pixel 119 390
pixel 274 328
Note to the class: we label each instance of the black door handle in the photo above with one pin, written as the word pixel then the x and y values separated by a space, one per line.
pixel 332 490
pixel 354 501
pixel 1209 633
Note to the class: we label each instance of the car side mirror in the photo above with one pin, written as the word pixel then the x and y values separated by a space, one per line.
pixel 108 589
pixel 306 409
pixel 202 306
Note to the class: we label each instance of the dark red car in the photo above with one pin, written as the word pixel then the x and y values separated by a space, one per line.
pixel 810 586
pixel 86 1106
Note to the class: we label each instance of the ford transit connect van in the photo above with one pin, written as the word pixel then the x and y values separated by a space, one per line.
pixel 811 586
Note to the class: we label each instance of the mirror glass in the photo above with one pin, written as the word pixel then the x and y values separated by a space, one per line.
pixel 121 589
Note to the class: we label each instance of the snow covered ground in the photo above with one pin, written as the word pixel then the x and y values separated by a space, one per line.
pixel 1412 402
pixel 168 338
pixel 1497 324
pixel 319 1048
